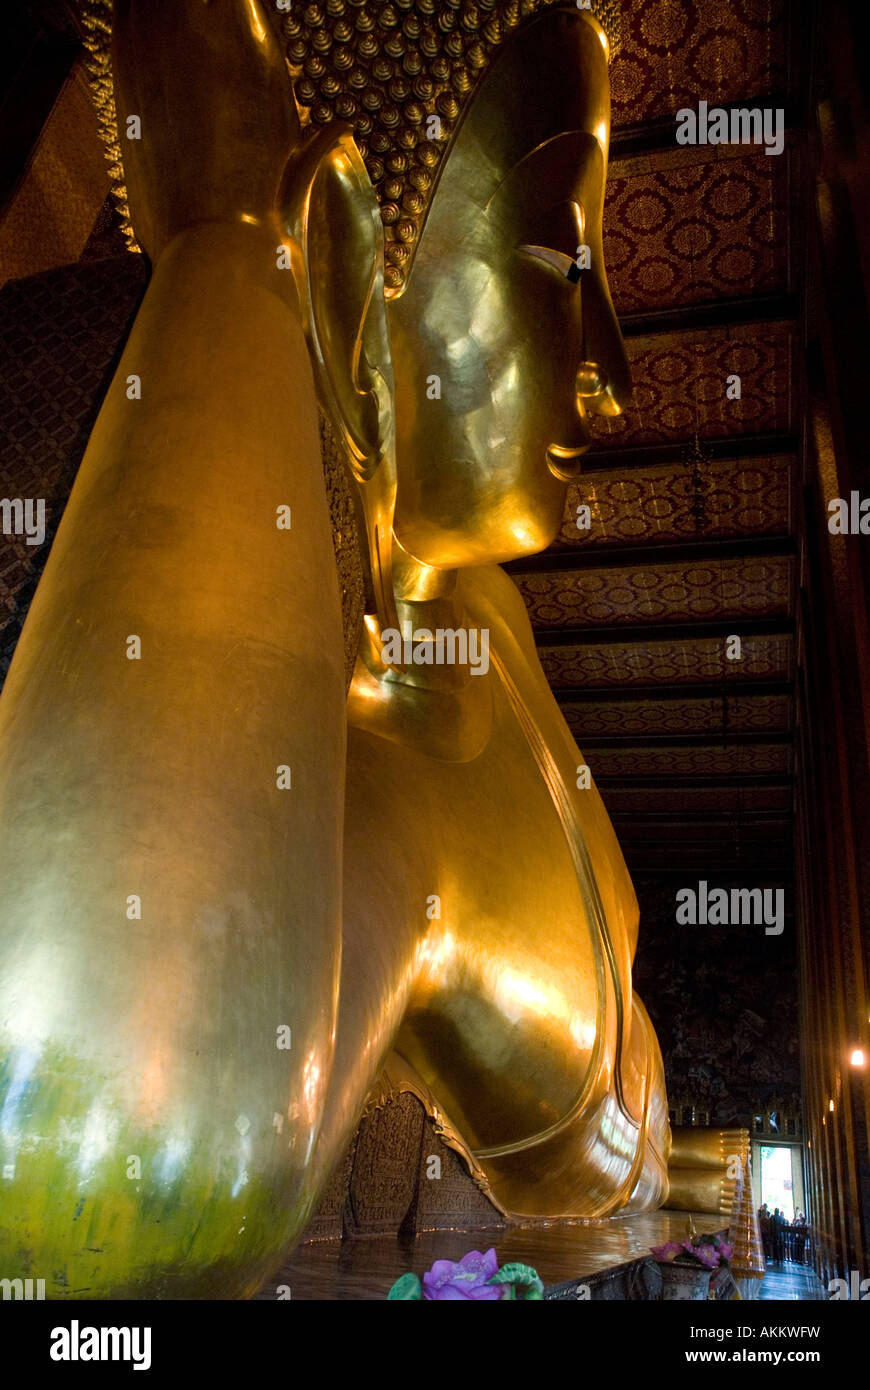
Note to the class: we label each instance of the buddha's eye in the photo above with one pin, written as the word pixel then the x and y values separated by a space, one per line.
pixel 557 259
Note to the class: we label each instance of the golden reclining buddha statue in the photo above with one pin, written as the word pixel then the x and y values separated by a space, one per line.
pixel 231 885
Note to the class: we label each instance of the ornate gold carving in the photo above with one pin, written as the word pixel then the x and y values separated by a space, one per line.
pixel 97 22
pixel 397 1077
pixel 701 230
pixel 675 52
pixel 351 556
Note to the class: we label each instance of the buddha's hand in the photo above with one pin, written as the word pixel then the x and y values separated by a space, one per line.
pixel 216 118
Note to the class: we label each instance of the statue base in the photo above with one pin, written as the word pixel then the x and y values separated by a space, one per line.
pixel 408 1192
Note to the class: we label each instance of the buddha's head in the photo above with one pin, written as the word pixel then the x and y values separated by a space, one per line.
pixel 447 164
pixel 457 322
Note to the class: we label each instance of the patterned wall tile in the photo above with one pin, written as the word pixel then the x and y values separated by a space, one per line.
pixel 726 499
pixel 659 593
pixel 59 336
pixel 638 718
pixel 675 52
pixel 665 662
pixel 680 384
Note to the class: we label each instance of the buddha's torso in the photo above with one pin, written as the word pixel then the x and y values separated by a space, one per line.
pixel 496 960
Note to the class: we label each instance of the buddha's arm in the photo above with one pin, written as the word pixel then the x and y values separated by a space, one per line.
pixel 167 907
pixel 579 1126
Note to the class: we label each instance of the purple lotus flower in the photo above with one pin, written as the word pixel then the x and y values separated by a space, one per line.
pixel 706 1250
pixel 447 1281
pixel 665 1253
pixel 707 1254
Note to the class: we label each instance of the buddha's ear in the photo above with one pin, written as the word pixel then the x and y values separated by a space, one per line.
pixel 331 213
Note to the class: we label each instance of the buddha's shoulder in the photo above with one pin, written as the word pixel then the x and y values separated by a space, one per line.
pixel 493 600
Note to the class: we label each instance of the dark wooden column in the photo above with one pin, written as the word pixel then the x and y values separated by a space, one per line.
pixel 834 784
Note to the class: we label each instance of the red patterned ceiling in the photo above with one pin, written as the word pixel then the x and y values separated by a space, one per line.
pixel 677 52
pixel 665 662
pixel 705 228
pixel 680 385
pixel 662 503
pixel 696 591
pixel 688 800
pixel 710 715
pixel 708 760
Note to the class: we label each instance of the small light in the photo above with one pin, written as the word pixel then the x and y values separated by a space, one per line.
pixel 830 1105
pixel 857 1058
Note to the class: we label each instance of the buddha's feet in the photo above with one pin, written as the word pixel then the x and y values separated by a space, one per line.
pixel 205 113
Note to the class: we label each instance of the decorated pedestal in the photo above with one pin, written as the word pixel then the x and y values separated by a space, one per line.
pixel 687 1283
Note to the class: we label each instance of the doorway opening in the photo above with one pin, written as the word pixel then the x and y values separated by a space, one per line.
pixel 777 1179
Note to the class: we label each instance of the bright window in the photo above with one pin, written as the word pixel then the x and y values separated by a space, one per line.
pixel 777 1183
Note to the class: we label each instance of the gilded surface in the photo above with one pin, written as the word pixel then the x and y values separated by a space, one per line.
pixel 424 874
pixel 706 1168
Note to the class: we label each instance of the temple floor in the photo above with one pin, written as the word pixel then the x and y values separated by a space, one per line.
pixel 789 1281
pixel 365 1267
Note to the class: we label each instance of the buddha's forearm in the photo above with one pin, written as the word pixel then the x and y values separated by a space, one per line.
pixel 171 788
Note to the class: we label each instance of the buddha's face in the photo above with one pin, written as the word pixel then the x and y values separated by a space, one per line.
pixel 501 344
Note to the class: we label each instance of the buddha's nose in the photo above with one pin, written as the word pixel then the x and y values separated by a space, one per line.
pixel 590 381
pixel 591 387
pixel 603 382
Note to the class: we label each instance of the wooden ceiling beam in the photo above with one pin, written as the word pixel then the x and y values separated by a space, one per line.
pixel 642 634
pixel 734 446
pixel 694 818
pixel 589 558
pixel 708 690
pixel 718 313
pixel 654 137
pixel 734 739
pixel 710 863
pixel 703 782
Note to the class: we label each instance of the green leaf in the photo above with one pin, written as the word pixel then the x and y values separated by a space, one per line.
pixel 406 1288
pixel 521 1275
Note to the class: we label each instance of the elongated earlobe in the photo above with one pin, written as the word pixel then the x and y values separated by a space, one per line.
pixel 332 215
pixel 334 224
